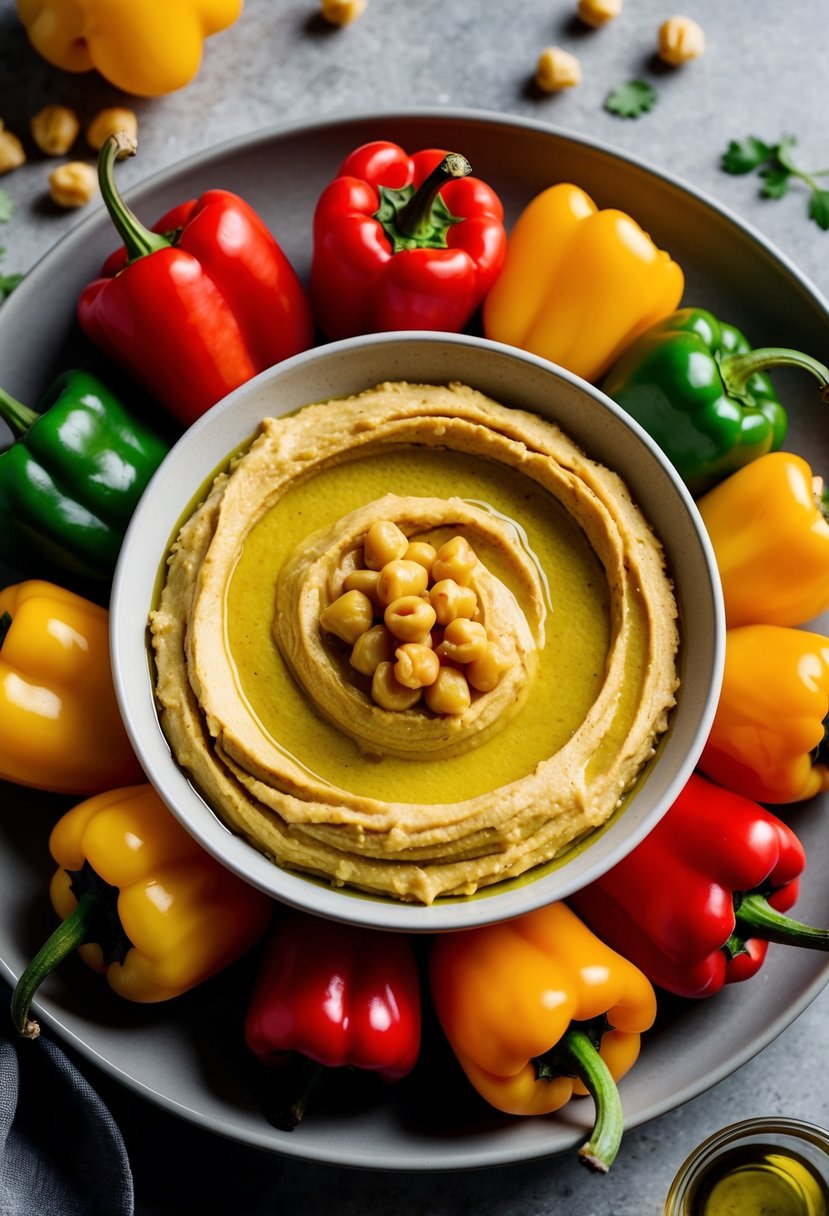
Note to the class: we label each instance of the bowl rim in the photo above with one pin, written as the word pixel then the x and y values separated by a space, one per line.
pixel 128 653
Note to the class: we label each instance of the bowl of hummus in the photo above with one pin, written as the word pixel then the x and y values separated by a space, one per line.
pixel 417 632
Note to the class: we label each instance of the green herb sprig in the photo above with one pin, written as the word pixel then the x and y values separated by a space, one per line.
pixel 777 168
pixel 8 282
pixel 632 99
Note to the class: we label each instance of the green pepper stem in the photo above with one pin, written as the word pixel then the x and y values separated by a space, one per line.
pixel 599 1152
pixel 757 918
pixel 313 1076
pixel 736 370
pixel 137 239
pixel 414 220
pixel 71 933
pixel 17 416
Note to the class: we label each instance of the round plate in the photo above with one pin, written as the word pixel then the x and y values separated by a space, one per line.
pixel 187 1055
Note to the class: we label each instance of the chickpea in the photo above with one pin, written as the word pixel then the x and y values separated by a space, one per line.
pixel 598 12
pixel 348 616
pixel 450 601
pixel 384 542
pixel 389 693
pixel 343 12
pixel 679 40
pixel 456 559
pixel 399 578
pixel 108 122
pixel 417 665
pixel 55 129
pixel 423 553
pixel 556 70
pixel 365 581
pixel 12 155
pixel 450 692
pixel 372 648
pixel 484 673
pixel 73 184
pixel 409 618
pixel 463 641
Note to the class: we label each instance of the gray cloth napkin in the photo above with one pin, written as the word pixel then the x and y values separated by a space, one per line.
pixel 61 1152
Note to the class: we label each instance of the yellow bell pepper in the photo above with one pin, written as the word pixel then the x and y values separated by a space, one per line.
pixel 141 901
pixel 768 740
pixel 147 47
pixel 60 728
pixel 579 284
pixel 768 526
pixel 538 1009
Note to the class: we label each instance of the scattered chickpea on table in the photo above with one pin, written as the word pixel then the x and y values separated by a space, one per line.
pixel 680 39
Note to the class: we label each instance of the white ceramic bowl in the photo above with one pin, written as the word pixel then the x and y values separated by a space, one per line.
pixel 509 376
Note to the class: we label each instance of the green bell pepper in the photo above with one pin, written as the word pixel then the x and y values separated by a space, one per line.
pixel 698 389
pixel 72 478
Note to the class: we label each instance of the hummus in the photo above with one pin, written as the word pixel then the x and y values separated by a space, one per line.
pixel 279 733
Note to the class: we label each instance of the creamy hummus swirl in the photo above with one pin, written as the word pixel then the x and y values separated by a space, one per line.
pixel 406 850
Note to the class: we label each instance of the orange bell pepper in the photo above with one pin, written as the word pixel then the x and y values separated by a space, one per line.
pixel 60 728
pixel 579 284
pixel 141 901
pixel 147 48
pixel 769 528
pixel 768 738
pixel 538 1009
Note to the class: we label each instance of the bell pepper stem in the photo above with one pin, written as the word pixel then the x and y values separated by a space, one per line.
pixel 313 1076
pixel 756 917
pixel 599 1152
pixel 414 219
pixel 138 240
pixel 736 370
pixel 71 933
pixel 17 416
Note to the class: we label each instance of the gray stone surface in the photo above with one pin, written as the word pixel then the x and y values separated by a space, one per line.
pixel 765 72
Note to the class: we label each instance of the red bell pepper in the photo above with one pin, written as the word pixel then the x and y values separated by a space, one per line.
pixel 335 996
pixel 198 305
pixel 403 242
pixel 696 903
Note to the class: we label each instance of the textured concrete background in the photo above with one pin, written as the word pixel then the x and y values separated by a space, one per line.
pixel 765 72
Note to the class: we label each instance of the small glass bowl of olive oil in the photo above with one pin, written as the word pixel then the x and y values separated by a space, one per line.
pixel 758 1167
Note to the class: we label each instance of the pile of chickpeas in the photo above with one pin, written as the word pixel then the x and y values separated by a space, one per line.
pixel 408 616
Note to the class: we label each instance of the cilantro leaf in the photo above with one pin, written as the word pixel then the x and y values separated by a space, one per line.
pixel 8 282
pixel 819 208
pixel 778 169
pixel 6 206
pixel 632 99
pixel 743 155
pixel 775 180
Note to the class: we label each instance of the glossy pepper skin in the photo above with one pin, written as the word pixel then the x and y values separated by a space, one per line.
pixel 768 738
pixel 194 314
pixel 403 242
pixel 147 48
pixel 335 996
pixel 696 903
pixel 697 387
pixel 60 728
pixel 72 479
pixel 141 901
pixel 770 532
pixel 579 284
pixel 537 1009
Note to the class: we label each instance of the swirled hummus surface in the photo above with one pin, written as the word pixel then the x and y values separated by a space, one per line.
pixel 278 729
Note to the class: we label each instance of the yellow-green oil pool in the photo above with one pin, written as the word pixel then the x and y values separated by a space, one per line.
pixel 572 662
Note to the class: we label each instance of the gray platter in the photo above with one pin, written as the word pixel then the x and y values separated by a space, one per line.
pixel 187 1056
